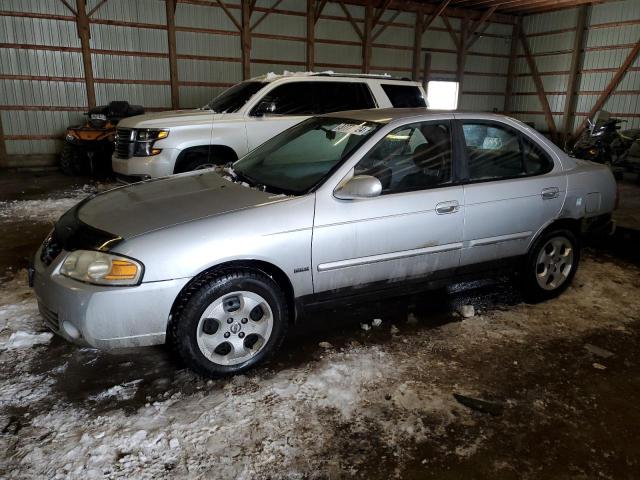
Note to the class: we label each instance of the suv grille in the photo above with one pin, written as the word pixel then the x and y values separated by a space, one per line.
pixel 124 143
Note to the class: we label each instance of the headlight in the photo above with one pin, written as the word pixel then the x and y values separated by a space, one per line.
pixel 147 135
pixel 70 138
pixel 101 268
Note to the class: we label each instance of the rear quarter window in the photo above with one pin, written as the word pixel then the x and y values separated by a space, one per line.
pixel 404 96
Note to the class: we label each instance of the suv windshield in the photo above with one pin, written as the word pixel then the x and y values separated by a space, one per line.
pixel 232 99
pixel 302 156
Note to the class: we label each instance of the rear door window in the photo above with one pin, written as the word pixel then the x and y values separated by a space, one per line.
pixel 404 96
pixel 339 96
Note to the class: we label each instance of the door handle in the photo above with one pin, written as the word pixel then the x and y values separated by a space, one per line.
pixel 549 193
pixel 443 208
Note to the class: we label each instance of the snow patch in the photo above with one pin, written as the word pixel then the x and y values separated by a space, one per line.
pixel 22 339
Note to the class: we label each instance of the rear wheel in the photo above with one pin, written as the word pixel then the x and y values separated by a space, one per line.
pixel 551 265
pixel 71 159
pixel 228 322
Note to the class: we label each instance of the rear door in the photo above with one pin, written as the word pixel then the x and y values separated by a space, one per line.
pixel 513 188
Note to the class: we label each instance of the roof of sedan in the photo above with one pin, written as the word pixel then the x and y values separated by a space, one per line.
pixel 386 115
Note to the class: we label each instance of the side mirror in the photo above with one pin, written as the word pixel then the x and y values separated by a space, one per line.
pixel 360 186
pixel 264 108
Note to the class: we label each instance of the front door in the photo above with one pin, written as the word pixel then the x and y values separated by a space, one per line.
pixel 412 230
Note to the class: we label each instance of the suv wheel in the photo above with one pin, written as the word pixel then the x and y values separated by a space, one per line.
pixel 551 265
pixel 228 322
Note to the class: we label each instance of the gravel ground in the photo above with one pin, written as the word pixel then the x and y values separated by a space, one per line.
pixel 339 400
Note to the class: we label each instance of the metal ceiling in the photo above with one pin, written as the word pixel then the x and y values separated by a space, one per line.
pixel 516 7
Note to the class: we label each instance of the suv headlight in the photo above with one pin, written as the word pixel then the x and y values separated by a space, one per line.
pixel 144 140
pixel 101 268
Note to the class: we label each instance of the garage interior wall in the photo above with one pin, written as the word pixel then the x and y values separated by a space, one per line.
pixel 42 80
pixel 611 33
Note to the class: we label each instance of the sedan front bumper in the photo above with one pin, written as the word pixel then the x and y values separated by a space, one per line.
pixel 103 317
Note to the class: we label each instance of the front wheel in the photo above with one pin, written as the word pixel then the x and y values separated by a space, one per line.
pixel 551 265
pixel 229 322
pixel 71 159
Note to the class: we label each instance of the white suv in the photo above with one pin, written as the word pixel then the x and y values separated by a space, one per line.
pixel 245 116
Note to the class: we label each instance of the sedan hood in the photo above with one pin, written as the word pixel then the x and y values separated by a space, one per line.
pixel 143 207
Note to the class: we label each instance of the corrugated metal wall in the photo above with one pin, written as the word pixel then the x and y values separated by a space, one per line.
pixel 42 87
pixel 612 30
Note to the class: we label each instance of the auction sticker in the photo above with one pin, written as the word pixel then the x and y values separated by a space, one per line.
pixel 352 128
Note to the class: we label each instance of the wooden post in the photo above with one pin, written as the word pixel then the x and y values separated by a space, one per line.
pixel 84 32
pixel 426 73
pixel 542 96
pixel 508 96
pixel 311 34
pixel 245 35
pixel 462 51
pixel 173 61
pixel 417 43
pixel 366 41
pixel 574 72
pixel 4 161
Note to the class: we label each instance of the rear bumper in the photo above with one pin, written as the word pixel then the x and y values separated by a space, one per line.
pixel 600 225
pixel 140 168
pixel 103 317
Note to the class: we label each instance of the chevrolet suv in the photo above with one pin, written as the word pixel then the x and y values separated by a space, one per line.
pixel 245 116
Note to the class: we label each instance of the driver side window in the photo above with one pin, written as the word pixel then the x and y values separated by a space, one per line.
pixel 413 157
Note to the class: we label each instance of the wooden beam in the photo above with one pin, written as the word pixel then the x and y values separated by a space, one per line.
pixel 574 72
pixel 380 12
pixel 384 25
pixel 64 2
pixel 351 20
pixel 366 40
pixel 417 44
pixel 96 8
pixel 426 72
pixel 461 57
pixel 266 14
pixel 173 61
pixel 319 9
pixel 311 34
pixel 84 32
pixel 508 96
pixel 452 34
pixel 229 14
pixel 633 54
pixel 439 11
pixel 4 162
pixel 542 96
pixel 245 37
pixel 532 6
pixel 481 23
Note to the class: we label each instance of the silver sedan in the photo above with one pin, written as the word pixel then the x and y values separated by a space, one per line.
pixel 220 262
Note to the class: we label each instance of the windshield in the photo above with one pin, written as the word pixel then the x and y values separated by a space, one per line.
pixel 300 157
pixel 232 99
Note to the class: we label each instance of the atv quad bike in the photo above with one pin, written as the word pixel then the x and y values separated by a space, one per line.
pixel 87 148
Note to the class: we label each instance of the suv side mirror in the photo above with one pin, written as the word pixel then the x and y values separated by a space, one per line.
pixel 264 108
pixel 360 186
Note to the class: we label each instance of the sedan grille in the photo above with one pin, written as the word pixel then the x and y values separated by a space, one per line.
pixel 124 143
pixel 50 317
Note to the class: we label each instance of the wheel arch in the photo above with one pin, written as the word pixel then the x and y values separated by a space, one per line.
pixel 574 225
pixel 260 266
pixel 223 152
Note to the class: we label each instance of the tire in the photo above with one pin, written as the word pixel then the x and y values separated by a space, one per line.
pixel 546 275
pixel 195 161
pixel 229 321
pixel 70 160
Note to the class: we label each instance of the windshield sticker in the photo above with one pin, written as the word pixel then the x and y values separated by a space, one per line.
pixel 351 128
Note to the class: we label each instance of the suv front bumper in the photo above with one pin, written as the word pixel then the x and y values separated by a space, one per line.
pixel 103 317
pixel 141 168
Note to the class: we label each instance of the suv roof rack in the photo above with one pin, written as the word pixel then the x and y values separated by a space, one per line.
pixel 383 76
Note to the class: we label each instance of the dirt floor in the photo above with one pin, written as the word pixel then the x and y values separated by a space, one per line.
pixel 344 397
